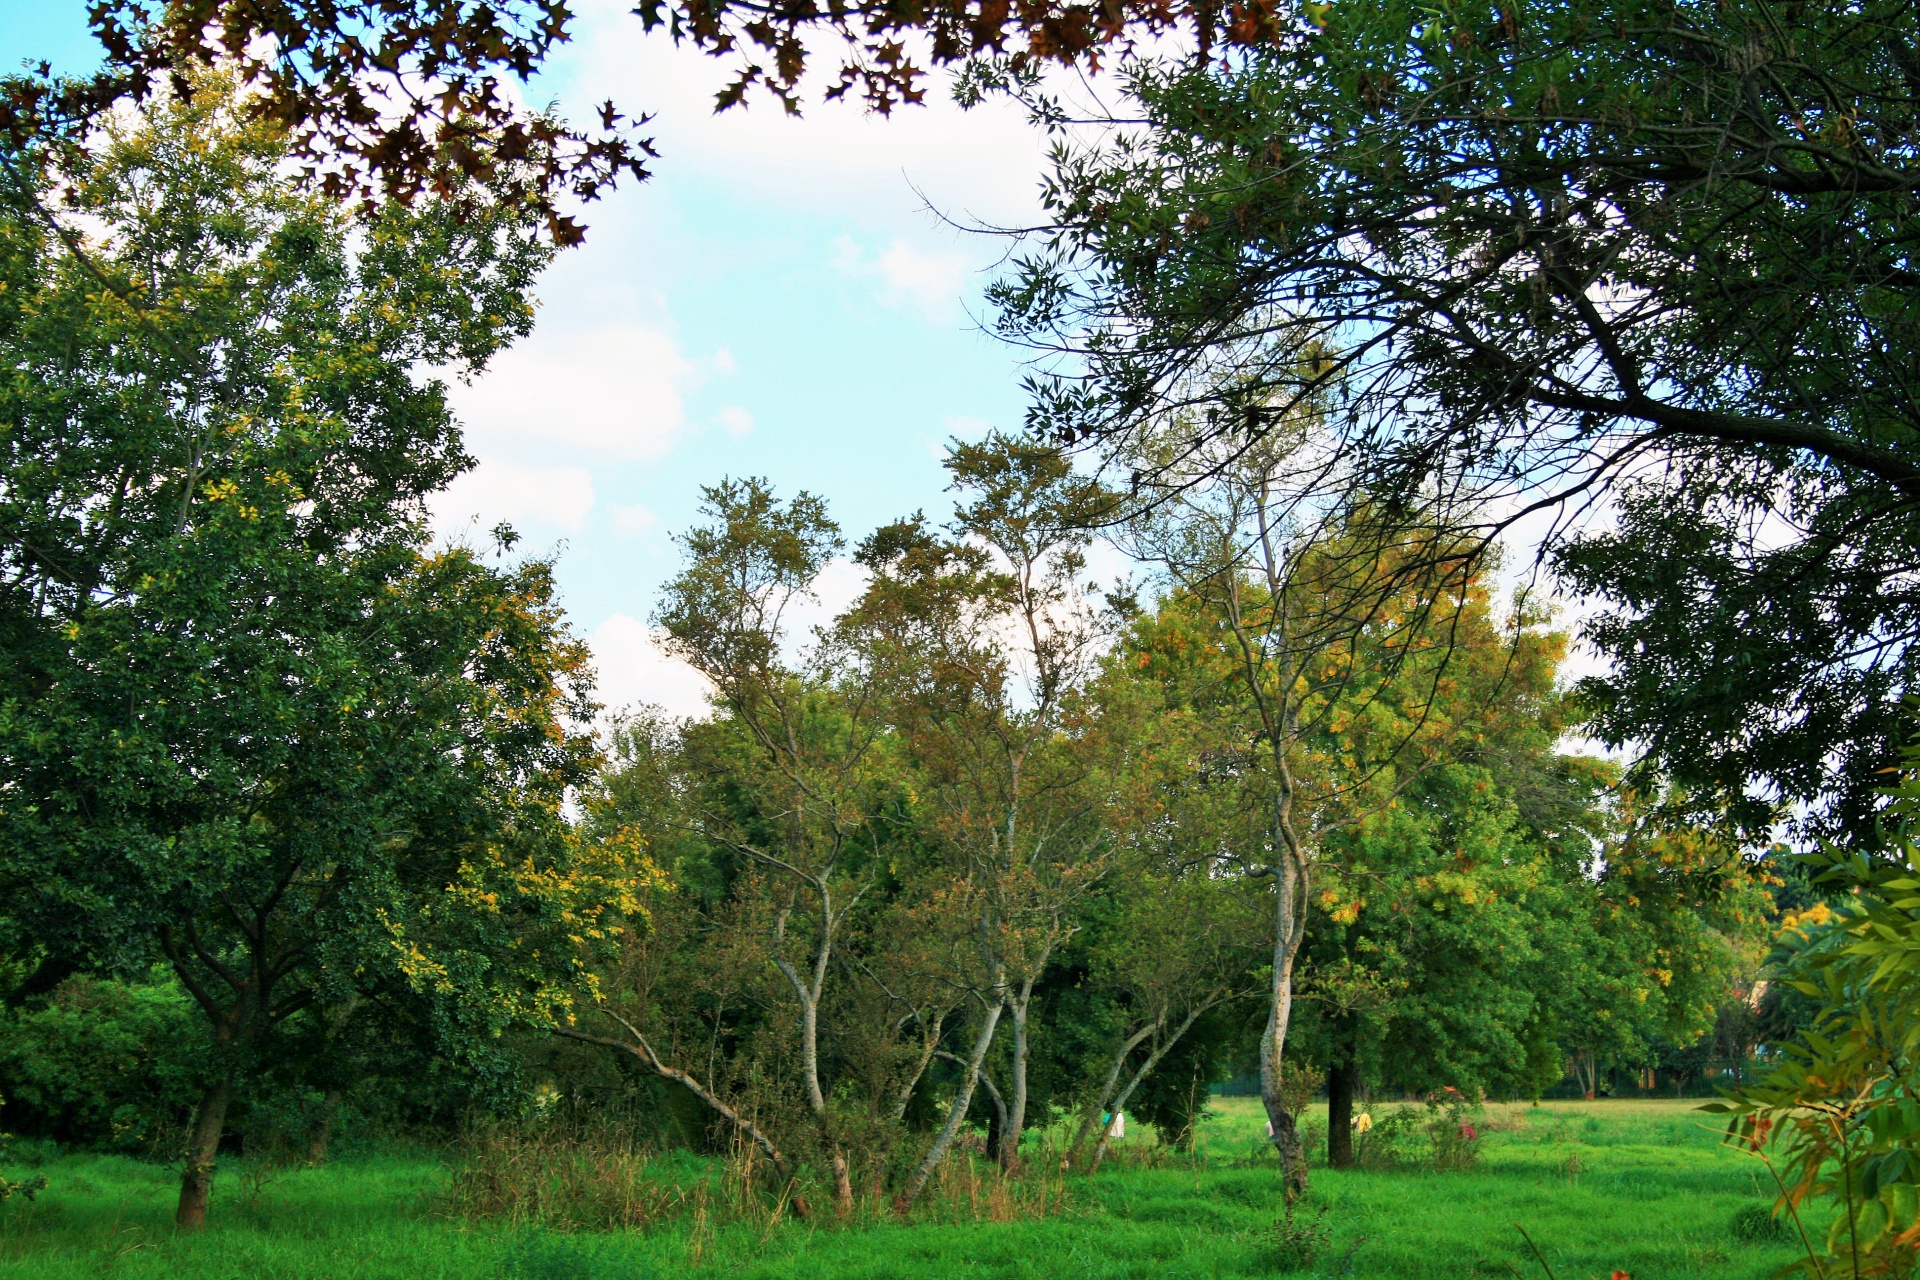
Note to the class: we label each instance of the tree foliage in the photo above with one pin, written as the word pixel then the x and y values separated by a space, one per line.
pixel 250 724
pixel 1528 260
pixel 390 99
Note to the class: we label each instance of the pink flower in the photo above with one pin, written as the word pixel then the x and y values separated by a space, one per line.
pixel 1466 1131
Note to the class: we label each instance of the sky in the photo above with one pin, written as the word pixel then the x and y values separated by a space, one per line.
pixel 784 298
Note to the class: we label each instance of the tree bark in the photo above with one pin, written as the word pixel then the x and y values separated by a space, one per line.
pixel 956 1113
pixel 809 992
pixel 1289 930
pixel 929 1046
pixel 1341 1079
pixel 1091 1119
pixel 1146 1068
pixel 320 1132
pixel 1016 1122
pixel 196 1180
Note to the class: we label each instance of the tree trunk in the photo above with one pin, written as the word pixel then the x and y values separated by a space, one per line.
pixel 196 1180
pixel 957 1113
pixel 1341 1078
pixel 1009 1148
pixel 1289 930
pixel 321 1130
pixel 1146 1069
pixel 929 1046
pixel 1091 1120
pixel 809 994
pixel 842 1184
pixel 997 1122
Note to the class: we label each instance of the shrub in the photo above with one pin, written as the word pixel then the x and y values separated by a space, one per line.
pixel 567 1182
pixel 1296 1244
pixel 104 1064
pixel 1299 1083
pixel 1837 1117
pixel 1755 1224
pixel 26 1188
pixel 1443 1135
pixel 1452 1133
pixel 1390 1142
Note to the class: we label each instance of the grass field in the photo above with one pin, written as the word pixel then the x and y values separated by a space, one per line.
pixel 1641 1187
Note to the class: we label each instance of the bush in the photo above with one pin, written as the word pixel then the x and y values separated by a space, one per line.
pixel 1755 1224
pixel 1454 1138
pixel 103 1064
pixel 564 1181
pixel 26 1188
pixel 1442 1135
pixel 1296 1244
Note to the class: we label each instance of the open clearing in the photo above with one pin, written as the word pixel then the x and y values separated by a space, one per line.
pixel 1638 1186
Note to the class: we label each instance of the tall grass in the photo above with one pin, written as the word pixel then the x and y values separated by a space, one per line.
pixel 605 1176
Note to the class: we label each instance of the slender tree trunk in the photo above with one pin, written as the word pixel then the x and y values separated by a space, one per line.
pixel 997 1124
pixel 1289 929
pixel 1146 1069
pixel 809 994
pixel 1341 1078
pixel 1091 1119
pixel 196 1180
pixel 1009 1149
pixel 822 1113
pixel 321 1130
pixel 989 1020
pixel 842 1183
pixel 929 1046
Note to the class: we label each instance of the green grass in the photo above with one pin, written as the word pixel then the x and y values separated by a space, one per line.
pixel 1642 1187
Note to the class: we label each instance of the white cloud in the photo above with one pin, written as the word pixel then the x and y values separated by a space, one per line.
pixel 837 155
pixel 633 520
pixel 614 392
pixel 723 361
pixel 535 500
pixel 736 421
pixel 906 277
pixel 634 668
pixel 839 585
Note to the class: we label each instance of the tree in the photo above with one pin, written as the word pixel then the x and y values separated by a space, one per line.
pixel 1651 254
pixel 1326 630
pixel 249 725
pixel 983 643
pixel 806 817
pixel 347 80
pixel 1174 950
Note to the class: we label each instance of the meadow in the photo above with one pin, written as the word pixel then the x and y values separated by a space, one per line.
pixel 1643 1187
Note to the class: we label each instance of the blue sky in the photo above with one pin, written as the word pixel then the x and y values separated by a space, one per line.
pixel 776 301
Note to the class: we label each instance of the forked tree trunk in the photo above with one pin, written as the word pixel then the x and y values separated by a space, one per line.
pixel 809 992
pixel 1341 1079
pixel 929 1046
pixel 320 1132
pixel 1146 1069
pixel 956 1114
pixel 203 1145
pixel 1098 1107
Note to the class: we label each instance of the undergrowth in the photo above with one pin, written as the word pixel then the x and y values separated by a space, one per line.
pixel 1657 1196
